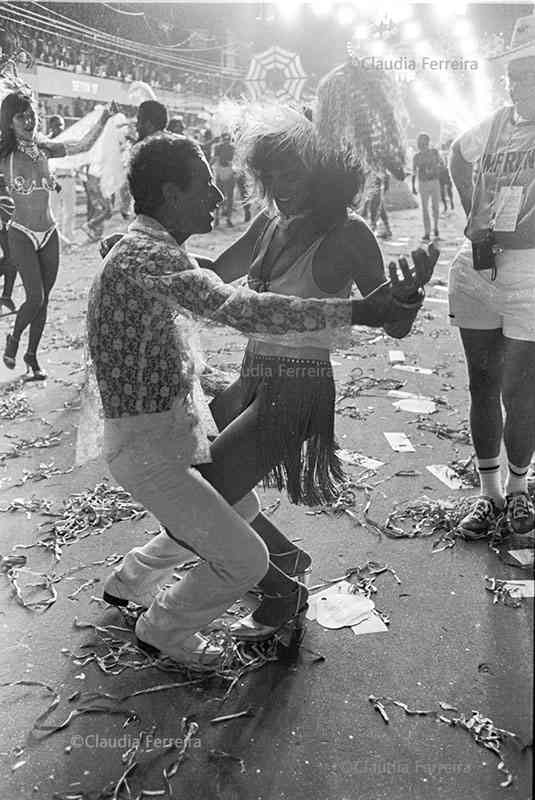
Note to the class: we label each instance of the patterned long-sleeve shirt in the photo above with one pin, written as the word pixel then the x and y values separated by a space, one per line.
pixel 139 319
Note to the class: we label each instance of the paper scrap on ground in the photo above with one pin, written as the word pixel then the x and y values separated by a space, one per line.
pixel 445 474
pixel 413 368
pixel 359 460
pixel 399 393
pixel 399 442
pixel 417 405
pixel 340 606
pixel 524 557
pixel 342 610
pixel 521 588
pixel 372 624
pixel 396 356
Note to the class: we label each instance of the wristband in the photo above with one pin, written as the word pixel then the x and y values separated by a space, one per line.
pixel 410 305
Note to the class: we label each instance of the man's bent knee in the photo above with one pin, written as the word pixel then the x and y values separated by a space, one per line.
pixel 248 507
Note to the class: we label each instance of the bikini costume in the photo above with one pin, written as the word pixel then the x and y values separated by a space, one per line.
pixel 23 186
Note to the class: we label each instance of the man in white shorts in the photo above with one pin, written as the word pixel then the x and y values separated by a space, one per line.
pixel 492 291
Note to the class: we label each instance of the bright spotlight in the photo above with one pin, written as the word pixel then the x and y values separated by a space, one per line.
pixel 401 12
pixel 469 47
pixel 411 30
pixel 377 48
pixel 321 7
pixel 361 32
pixel 442 10
pixel 462 29
pixel 345 15
pixel 288 11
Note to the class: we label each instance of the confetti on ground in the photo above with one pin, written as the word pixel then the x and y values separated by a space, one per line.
pixel 443 431
pixel 53 439
pixel 87 514
pixel 481 729
pixel 509 593
pixel 42 473
pixel 13 406
pixel 358 383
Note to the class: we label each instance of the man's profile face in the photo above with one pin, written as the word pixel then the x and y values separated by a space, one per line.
pixel 521 84
pixel 144 127
pixel 196 205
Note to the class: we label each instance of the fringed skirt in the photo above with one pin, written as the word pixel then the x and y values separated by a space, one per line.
pixel 295 425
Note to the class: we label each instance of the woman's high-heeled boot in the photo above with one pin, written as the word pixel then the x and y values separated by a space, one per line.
pixel 271 615
pixel 32 365
pixel 295 563
pixel 10 351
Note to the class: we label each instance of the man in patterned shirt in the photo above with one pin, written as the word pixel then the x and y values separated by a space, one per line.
pixel 139 327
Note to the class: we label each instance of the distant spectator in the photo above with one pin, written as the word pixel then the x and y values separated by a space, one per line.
pixel 56 125
pixel 207 141
pixel 223 156
pixel 151 118
pixel 176 125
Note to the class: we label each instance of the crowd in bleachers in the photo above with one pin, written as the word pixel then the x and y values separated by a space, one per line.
pixel 60 53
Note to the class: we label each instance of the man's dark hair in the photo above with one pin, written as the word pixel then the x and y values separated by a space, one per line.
pixel 166 158
pixel 155 112
pixel 56 119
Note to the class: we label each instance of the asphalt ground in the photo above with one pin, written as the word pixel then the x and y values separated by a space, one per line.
pixel 313 732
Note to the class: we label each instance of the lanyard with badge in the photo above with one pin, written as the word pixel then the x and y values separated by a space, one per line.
pixel 505 210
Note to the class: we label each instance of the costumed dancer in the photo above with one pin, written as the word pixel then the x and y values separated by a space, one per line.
pixel 277 420
pixel 33 236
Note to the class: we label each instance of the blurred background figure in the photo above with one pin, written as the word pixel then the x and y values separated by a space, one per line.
pixel 207 143
pixel 377 209
pixel 446 186
pixel 151 118
pixel 7 269
pixel 63 200
pixel 176 125
pixel 223 157
pixel 426 166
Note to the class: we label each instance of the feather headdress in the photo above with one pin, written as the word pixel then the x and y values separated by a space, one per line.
pixel 10 81
pixel 359 112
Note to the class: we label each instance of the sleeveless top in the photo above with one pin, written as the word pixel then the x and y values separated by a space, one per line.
pixel 508 159
pixel 296 279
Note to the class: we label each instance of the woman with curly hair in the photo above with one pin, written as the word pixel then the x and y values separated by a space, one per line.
pixel 32 235
pixel 276 421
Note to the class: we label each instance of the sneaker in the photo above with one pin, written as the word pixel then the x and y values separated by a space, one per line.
pixel 195 652
pixel 426 237
pixel 520 513
pixel 436 234
pixel 480 521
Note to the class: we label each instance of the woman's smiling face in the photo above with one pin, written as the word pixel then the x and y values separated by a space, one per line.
pixel 287 181
pixel 24 124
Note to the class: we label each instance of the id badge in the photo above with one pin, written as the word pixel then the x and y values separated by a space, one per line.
pixel 508 208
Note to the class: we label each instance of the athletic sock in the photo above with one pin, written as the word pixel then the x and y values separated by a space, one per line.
pixel 491 479
pixel 517 479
